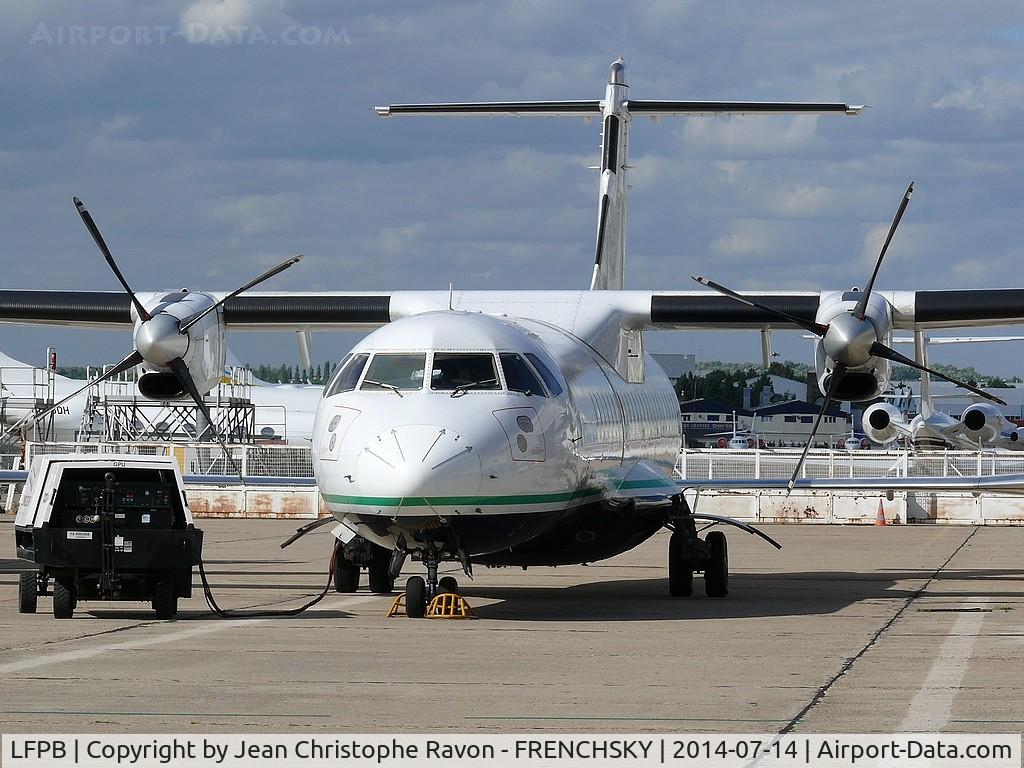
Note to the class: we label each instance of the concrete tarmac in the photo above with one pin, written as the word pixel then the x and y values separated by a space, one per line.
pixel 847 629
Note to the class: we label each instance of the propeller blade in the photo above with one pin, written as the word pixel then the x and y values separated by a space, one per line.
pixel 95 232
pixel 255 281
pixel 177 365
pixel 862 304
pixel 129 362
pixel 878 349
pixel 833 383
pixel 816 328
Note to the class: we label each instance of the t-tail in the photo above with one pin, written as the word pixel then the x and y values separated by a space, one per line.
pixel 616 111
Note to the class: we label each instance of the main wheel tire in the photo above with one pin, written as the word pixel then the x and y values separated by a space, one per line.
pixel 379 569
pixel 716 574
pixel 346 575
pixel 415 597
pixel 165 598
pixel 680 570
pixel 64 600
pixel 28 593
pixel 448 584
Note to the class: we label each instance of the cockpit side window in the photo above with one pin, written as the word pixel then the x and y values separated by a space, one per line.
pixel 519 377
pixel 348 375
pixel 545 373
pixel 463 371
pixel 395 371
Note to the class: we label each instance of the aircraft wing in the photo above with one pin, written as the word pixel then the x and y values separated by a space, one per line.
pixel 337 310
pixel 250 311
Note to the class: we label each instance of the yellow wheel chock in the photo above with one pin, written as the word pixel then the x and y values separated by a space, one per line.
pixel 448 605
pixel 398 606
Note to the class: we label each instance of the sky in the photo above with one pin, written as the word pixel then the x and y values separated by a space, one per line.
pixel 213 138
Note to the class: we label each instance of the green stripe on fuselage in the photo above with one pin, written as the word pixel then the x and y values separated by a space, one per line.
pixel 461 501
pixel 485 501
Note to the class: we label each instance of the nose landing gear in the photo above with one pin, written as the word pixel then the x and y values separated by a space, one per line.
pixel 432 597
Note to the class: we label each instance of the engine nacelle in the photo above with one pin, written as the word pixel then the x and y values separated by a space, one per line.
pixel 983 421
pixel 879 422
pixel 201 347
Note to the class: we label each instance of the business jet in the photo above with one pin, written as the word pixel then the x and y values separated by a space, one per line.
pixel 518 428
pixel 981 425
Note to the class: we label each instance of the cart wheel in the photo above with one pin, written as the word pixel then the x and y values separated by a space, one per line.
pixel 64 600
pixel 165 598
pixel 28 592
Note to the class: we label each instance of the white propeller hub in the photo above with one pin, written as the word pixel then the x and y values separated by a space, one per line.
pixel 849 339
pixel 159 341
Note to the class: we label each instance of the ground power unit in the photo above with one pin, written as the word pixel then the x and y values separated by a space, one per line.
pixel 105 527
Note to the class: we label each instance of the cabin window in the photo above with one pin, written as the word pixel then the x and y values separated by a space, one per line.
pixel 519 377
pixel 347 377
pixel 388 371
pixel 461 371
pixel 545 373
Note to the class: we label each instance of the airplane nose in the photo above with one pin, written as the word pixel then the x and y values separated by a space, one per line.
pixel 418 460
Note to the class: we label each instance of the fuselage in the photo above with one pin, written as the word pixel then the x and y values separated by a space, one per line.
pixel 480 435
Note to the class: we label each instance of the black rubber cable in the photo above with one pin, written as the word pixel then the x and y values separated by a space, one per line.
pixel 235 614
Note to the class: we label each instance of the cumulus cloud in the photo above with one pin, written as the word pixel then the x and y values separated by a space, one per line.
pixel 219 21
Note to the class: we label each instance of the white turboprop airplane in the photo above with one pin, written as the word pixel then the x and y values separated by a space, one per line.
pixel 522 427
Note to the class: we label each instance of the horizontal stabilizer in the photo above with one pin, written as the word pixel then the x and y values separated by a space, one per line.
pixel 577 108
pixel 683 108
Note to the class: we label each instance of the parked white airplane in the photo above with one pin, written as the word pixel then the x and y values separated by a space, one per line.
pixel 20 384
pixel 519 427
pixel 980 424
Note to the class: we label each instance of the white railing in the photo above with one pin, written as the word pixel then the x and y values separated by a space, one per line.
pixel 757 464
pixel 201 458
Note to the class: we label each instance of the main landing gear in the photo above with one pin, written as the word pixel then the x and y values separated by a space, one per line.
pixel 688 553
pixel 356 555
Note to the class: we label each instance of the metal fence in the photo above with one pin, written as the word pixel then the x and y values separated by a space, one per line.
pixel 722 463
pixel 201 458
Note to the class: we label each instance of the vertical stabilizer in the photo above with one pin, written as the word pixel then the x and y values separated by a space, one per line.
pixel 610 252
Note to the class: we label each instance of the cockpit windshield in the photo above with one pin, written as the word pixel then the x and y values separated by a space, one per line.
pixel 463 371
pixel 395 372
pixel 519 376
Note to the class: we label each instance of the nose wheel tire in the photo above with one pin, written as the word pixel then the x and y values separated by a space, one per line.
pixel 716 572
pixel 415 597
pixel 346 575
pixel 448 584
pixel 28 593
pixel 680 570
pixel 64 599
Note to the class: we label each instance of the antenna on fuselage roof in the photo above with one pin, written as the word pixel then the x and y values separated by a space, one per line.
pixel 451 291
pixel 616 112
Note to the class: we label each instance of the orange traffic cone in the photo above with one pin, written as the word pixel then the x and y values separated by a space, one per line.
pixel 880 517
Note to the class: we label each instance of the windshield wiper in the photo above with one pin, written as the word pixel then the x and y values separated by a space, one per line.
pixel 463 388
pixel 384 385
